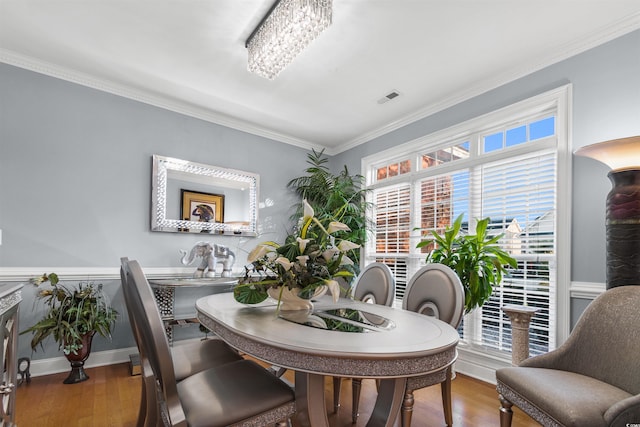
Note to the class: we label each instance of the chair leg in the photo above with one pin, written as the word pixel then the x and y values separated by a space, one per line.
pixel 506 414
pixel 356 386
pixel 445 389
pixel 407 409
pixel 337 383
pixel 142 412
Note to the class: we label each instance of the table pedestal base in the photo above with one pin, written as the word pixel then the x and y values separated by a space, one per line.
pixel 311 409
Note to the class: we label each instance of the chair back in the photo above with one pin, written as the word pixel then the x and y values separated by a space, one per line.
pixel 435 290
pixel 128 300
pixel 375 284
pixel 148 413
pixel 153 344
pixel 605 343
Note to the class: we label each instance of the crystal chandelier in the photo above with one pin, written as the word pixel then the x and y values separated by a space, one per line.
pixel 287 28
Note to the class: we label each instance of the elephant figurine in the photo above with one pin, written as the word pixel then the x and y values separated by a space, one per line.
pixel 211 255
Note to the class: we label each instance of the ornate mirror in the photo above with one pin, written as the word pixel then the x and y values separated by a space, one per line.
pixel 189 197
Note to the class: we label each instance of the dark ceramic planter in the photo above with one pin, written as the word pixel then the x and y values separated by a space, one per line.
pixel 77 373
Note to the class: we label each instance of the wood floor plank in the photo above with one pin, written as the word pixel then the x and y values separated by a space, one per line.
pixel 111 397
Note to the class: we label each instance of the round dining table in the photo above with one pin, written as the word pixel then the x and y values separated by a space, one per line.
pixel 340 339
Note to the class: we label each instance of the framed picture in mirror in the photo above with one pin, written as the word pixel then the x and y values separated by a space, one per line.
pixel 201 207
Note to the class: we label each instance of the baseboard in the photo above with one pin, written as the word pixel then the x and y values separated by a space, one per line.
pixel 479 365
pixel 56 365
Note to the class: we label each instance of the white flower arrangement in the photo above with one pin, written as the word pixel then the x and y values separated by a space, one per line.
pixel 312 258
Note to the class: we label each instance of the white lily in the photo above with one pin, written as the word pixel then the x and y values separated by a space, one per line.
pixel 302 259
pixel 346 245
pixel 346 260
pixel 334 288
pixel 308 211
pixel 330 253
pixel 337 226
pixel 302 243
pixel 284 262
pixel 257 253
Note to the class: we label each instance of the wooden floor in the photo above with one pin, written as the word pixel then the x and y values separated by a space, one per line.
pixel 111 397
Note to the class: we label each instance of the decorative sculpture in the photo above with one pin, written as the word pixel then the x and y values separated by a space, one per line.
pixel 211 255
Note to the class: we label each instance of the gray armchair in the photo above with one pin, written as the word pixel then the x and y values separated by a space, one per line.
pixel 593 379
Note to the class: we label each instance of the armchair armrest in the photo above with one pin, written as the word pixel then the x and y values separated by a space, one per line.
pixel 624 413
pixel 553 360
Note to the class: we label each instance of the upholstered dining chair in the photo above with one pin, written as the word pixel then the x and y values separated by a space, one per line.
pixel 374 285
pixel 592 379
pixel 189 357
pixel 238 393
pixel 435 290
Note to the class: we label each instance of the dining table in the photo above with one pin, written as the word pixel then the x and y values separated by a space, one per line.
pixel 346 338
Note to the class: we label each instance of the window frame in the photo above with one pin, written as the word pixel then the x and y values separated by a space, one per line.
pixel 482 363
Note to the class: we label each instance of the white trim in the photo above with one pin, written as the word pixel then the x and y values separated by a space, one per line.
pixel 56 365
pixel 22 274
pixel 147 97
pixel 620 28
pixel 563 214
pixel 586 290
pixel 560 101
pixel 532 105
pixel 479 365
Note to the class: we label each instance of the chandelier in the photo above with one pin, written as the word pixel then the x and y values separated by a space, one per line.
pixel 287 28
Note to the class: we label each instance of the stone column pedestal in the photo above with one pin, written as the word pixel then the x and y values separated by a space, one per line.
pixel 520 317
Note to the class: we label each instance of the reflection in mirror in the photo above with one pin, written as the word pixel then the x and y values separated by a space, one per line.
pixel 191 197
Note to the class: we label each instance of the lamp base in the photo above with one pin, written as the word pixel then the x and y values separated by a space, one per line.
pixel 623 255
pixel 623 229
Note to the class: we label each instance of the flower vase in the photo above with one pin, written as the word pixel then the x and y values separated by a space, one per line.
pixel 77 360
pixel 289 299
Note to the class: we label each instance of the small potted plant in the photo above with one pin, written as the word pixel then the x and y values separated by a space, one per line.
pixel 73 317
pixel 477 259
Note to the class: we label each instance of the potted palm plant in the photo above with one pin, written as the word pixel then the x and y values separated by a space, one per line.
pixel 477 259
pixel 340 197
pixel 73 317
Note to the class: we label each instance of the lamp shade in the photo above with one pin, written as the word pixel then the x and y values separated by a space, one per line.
pixel 618 154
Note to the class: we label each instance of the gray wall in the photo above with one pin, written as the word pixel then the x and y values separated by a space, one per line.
pixel 75 167
pixel 75 182
pixel 606 105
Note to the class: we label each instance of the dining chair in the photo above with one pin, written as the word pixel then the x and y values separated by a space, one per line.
pixel 239 393
pixel 592 379
pixel 374 285
pixel 189 357
pixel 147 414
pixel 435 290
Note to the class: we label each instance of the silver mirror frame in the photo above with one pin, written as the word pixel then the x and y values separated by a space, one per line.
pixel 159 220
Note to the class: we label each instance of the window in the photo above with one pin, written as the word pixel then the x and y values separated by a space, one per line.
pixel 506 167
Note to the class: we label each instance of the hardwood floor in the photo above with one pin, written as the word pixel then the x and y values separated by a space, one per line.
pixel 111 398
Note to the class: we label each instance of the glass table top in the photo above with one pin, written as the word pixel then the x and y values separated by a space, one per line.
pixel 343 320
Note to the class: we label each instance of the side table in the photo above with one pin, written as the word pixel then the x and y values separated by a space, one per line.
pixel 10 297
pixel 520 317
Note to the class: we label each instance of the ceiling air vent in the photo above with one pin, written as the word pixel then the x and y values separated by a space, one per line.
pixel 388 97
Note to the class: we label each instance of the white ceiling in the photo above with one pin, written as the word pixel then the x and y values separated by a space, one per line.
pixel 189 56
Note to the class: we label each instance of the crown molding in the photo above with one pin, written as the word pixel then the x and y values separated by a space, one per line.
pixel 606 34
pixel 617 29
pixel 53 70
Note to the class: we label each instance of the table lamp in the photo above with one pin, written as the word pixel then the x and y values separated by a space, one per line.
pixel 623 207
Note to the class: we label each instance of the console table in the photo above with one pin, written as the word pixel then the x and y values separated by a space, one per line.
pixel 10 297
pixel 182 311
